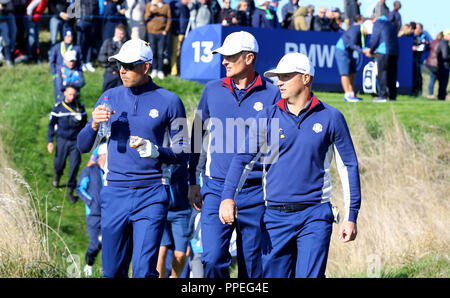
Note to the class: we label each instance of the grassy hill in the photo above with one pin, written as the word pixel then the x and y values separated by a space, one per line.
pixel 26 98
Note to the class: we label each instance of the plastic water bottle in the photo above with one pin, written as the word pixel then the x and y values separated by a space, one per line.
pixel 105 127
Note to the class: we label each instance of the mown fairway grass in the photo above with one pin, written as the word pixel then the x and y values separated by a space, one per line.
pixel 26 99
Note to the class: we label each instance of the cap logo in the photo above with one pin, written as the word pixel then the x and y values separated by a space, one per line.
pixel 147 43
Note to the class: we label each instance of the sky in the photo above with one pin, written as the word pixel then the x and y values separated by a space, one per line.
pixel 433 14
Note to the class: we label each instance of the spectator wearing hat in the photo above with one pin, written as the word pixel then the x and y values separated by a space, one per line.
pixel 264 16
pixel 69 75
pixel 238 96
pixel 57 53
pixel 134 200
pixel 110 47
pixel 354 39
pixel 67 118
pixel 88 190
pixel 298 216
pixel 443 58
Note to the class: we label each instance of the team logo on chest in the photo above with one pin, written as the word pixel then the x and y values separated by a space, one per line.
pixel 258 106
pixel 317 127
pixel 153 113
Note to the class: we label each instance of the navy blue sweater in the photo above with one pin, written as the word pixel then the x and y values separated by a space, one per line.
pixel 384 38
pixel 302 147
pixel 69 121
pixel 218 105
pixel 149 112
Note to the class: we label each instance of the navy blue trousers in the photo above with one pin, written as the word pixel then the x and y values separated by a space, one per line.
pixel 67 148
pixel 132 224
pixel 216 236
pixel 296 244
pixel 94 233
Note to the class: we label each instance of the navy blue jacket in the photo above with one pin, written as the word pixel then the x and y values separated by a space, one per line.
pixel 384 38
pixel 260 20
pixel 147 111
pixel 56 57
pixel 298 168
pixel 89 187
pixel 69 122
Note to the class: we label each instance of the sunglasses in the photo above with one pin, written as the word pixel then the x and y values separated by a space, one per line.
pixel 128 66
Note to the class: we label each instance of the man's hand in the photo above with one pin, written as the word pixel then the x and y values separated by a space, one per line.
pixel 347 231
pixel 50 147
pixel 194 197
pixel 227 211
pixel 147 149
pixel 99 115
pixel 367 53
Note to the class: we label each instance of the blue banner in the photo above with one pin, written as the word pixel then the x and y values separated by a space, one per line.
pixel 199 64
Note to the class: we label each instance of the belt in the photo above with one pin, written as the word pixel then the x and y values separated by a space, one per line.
pixel 289 207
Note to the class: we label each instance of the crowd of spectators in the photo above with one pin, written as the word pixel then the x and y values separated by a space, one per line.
pixel 164 24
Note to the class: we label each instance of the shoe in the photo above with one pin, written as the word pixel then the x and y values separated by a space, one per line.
pixel 9 63
pixel 392 99
pixel 431 96
pixel 352 99
pixel 89 67
pixel 379 99
pixel 21 58
pixel 55 181
pixel 160 75
pixel 154 73
pixel 87 270
pixel 70 195
pixel 2 58
pixel 83 67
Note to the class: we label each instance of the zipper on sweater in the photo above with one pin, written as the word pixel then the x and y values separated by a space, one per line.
pixel 136 101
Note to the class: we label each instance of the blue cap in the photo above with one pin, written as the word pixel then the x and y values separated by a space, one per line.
pixel 67 31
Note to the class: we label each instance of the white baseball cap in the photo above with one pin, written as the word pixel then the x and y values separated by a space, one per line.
pixel 237 42
pixel 292 62
pixel 368 25
pixel 102 149
pixel 70 55
pixel 132 51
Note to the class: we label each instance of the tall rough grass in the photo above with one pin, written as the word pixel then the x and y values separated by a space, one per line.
pixel 24 250
pixel 405 205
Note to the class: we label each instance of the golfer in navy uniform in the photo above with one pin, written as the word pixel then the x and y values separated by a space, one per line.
pixel 134 201
pixel 225 110
pixel 298 217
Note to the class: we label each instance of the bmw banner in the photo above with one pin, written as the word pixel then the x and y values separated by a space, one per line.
pixel 199 64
